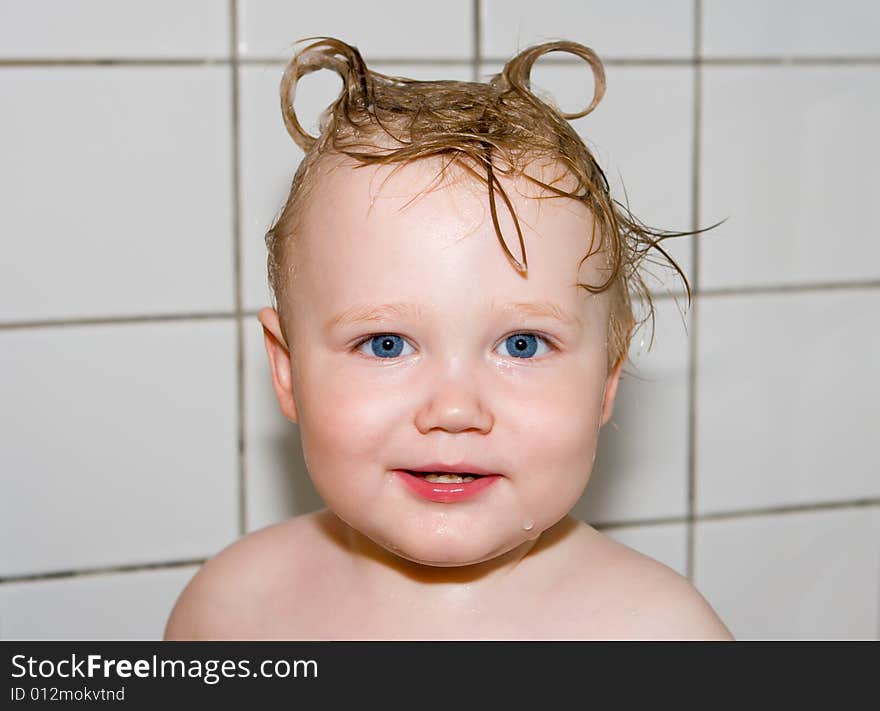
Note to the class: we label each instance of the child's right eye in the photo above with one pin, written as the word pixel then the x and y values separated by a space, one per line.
pixel 383 346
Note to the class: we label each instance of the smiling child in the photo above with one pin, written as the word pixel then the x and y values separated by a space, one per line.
pixel 453 308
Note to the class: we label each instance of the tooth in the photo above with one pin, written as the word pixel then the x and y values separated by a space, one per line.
pixel 444 478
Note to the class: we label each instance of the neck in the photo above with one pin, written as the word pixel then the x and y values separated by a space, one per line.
pixel 381 569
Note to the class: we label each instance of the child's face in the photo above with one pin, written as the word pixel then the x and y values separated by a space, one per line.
pixel 441 380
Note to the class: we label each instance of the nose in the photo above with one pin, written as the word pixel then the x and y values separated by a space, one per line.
pixel 454 407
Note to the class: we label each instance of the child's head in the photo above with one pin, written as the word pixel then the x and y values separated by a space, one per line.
pixel 413 338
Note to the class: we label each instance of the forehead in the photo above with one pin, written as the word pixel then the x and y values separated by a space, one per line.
pixel 403 232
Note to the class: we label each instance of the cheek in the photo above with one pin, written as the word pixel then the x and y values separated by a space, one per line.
pixel 341 420
pixel 565 412
pixel 557 434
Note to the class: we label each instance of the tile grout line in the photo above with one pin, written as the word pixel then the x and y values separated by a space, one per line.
pixel 767 289
pixel 733 515
pixel 606 525
pixel 711 292
pixel 690 527
pixel 99 570
pixel 116 320
pixel 237 260
pixel 796 60
pixel 478 43
pixel 131 319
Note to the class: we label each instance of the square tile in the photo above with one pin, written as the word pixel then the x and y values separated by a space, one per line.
pixel 389 29
pixel 789 156
pixel 787 392
pixel 120 444
pixel 642 136
pixel 109 606
pixel 809 575
pixel 666 542
pixel 278 486
pixel 770 28
pixel 641 465
pixel 625 28
pixel 92 29
pixel 270 157
pixel 120 204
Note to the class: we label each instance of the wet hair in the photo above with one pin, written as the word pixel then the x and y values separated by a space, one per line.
pixel 498 127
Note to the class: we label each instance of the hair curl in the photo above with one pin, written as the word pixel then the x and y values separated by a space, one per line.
pixel 467 122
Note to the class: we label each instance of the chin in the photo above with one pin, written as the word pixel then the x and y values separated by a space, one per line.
pixel 446 562
pixel 445 554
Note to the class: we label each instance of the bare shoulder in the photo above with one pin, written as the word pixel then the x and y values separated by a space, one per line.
pixel 647 600
pixel 229 596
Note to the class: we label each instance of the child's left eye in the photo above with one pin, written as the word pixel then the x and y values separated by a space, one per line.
pixel 389 345
pixel 524 345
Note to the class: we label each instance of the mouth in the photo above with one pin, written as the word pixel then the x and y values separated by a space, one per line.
pixel 446 487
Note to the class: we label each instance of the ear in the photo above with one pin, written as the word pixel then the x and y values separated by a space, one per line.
pixel 611 390
pixel 279 362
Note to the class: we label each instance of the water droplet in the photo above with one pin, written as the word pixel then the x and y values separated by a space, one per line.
pixel 528 526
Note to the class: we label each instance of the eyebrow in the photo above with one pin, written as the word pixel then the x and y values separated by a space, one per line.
pixel 362 313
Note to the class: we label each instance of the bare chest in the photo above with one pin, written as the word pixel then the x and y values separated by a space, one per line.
pixel 348 617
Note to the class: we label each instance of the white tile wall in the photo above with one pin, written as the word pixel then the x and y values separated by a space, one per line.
pixel 790 156
pixel 809 575
pixel 648 163
pixel 107 606
pixel 666 543
pixel 772 28
pixel 121 177
pixel 787 399
pixel 642 463
pixel 92 29
pixel 625 28
pixel 119 444
pixel 386 29
pixel 270 157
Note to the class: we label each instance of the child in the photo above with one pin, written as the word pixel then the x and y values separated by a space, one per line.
pixel 449 393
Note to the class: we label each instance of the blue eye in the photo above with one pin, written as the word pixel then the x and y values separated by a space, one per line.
pixel 384 346
pixel 388 345
pixel 523 345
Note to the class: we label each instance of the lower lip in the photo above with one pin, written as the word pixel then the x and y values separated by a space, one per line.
pixel 446 493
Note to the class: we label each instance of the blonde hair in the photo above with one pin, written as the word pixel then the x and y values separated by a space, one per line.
pixel 467 122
